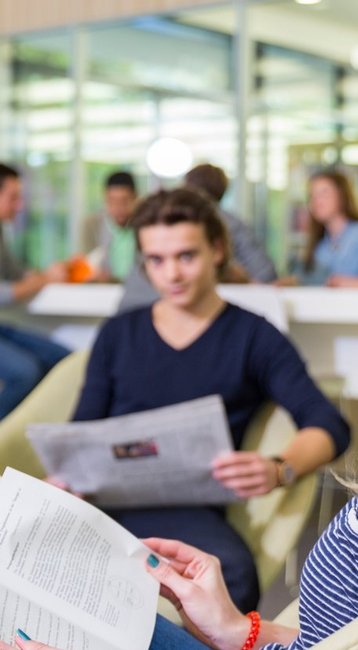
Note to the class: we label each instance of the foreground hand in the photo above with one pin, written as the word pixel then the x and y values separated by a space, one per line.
pixel 246 473
pixel 25 645
pixel 193 582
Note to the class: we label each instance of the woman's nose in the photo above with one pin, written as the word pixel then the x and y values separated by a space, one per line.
pixel 172 269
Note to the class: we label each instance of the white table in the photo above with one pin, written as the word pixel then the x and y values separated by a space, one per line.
pixel 72 313
pixel 85 300
pixel 322 322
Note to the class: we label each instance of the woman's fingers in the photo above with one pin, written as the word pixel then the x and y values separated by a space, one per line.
pixel 168 577
pixel 174 550
pixel 245 473
pixel 28 645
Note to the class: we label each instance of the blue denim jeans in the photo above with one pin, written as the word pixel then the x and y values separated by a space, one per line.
pixel 168 636
pixel 25 357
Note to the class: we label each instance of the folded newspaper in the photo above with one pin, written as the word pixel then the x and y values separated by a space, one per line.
pixel 157 457
pixel 69 575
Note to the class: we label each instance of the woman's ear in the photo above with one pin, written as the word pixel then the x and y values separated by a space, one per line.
pixel 141 265
pixel 219 251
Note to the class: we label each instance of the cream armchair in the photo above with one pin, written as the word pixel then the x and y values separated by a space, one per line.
pixel 272 524
pixel 52 400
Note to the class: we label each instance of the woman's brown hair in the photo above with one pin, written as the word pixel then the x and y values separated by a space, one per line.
pixel 209 178
pixel 348 207
pixel 169 207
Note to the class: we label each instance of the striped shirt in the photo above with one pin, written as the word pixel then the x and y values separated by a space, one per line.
pixel 329 582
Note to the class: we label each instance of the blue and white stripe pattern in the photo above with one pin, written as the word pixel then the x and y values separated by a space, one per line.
pixel 329 582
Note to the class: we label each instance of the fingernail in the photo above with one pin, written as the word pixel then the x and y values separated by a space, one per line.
pixel 152 560
pixel 22 635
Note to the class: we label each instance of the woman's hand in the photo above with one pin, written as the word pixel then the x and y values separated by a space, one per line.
pixel 246 473
pixel 348 281
pixel 52 480
pixel 193 582
pixel 25 645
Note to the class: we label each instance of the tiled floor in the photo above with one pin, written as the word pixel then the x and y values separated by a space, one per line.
pixel 279 595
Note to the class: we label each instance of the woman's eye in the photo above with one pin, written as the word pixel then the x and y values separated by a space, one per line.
pixel 154 260
pixel 186 257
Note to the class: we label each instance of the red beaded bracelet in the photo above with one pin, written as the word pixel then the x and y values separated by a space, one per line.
pixel 254 630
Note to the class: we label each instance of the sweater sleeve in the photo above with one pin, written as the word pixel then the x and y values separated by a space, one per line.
pixel 96 393
pixel 282 376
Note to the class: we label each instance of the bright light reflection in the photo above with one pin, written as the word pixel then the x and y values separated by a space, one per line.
pixel 169 158
pixel 308 2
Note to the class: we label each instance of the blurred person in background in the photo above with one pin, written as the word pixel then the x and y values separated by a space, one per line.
pixel 110 232
pixel 246 249
pixel 331 255
pixel 25 357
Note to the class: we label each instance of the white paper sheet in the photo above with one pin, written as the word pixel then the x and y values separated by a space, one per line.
pixel 83 573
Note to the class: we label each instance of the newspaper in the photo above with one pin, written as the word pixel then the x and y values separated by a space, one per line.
pixel 157 457
pixel 70 576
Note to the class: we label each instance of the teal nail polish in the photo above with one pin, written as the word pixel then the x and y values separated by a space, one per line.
pixel 22 635
pixel 152 560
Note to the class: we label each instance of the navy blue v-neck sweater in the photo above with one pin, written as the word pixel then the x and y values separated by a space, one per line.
pixel 240 356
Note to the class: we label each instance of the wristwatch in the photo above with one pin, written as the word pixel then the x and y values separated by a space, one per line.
pixel 286 474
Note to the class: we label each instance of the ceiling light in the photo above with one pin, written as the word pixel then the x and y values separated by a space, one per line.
pixel 308 2
pixel 169 158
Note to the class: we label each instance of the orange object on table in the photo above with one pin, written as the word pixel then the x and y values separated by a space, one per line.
pixel 79 269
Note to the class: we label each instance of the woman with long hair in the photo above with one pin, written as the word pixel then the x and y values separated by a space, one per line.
pixel 331 255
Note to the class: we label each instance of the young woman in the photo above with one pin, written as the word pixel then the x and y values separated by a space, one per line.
pixel 332 251
pixel 189 344
pixel 192 580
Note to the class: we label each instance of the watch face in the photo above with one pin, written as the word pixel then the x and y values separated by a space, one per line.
pixel 288 474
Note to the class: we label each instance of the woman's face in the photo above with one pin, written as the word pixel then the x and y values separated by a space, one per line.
pixel 180 262
pixel 324 200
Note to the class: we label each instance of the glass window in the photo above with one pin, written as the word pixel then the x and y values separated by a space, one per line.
pixel 291 121
pixel 302 107
pixel 41 93
pixel 77 104
pixel 153 78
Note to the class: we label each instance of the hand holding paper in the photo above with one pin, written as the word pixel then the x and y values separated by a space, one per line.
pixel 246 473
